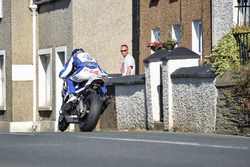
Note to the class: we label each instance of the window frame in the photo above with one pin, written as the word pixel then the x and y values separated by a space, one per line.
pixel 174 36
pixel 154 37
pixel 45 99
pixel 197 36
pixel 153 34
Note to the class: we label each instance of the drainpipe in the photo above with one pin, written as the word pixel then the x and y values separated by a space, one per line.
pixel 33 8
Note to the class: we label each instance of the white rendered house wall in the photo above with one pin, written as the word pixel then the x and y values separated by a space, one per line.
pixel 155 79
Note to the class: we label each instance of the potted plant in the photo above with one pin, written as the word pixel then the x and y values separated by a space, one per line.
pixel 156 45
pixel 169 44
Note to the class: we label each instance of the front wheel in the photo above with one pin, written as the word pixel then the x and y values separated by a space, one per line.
pixel 94 105
pixel 62 123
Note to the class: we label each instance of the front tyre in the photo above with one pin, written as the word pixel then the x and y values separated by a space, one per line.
pixel 94 103
pixel 62 123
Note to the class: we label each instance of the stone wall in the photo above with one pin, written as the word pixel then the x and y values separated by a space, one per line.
pixel 130 106
pixel 194 99
pixel 198 103
pixel 108 119
pixel 231 118
pixel 148 96
pixel 194 104
pixel 127 108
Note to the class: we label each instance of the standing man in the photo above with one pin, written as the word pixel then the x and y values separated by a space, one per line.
pixel 128 64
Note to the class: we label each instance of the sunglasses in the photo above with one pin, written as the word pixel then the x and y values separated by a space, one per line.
pixel 124 50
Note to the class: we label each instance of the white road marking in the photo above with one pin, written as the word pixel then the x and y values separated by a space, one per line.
pixel 18 134
pixel 167 142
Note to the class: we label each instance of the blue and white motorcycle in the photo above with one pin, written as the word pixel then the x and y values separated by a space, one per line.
pixel 88 107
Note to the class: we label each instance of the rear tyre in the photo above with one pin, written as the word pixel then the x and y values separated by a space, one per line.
pixel 62 123
pixel 89 122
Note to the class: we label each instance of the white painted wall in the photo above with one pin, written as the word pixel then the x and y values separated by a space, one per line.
pixel 22 72
pixel 155 80
pixel 21 127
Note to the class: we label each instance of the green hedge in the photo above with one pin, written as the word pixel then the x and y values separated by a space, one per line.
pixel 226 54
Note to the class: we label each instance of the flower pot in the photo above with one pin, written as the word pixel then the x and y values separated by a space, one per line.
pixel 169 46
pixel 155 48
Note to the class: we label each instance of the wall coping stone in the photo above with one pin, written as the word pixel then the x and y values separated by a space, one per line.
pixel 194 72
pixel 127 80
pixel 156 56
pixel 180 53
pixel 225 80
pixel 176 53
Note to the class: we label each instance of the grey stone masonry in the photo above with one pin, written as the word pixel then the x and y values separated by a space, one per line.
pixel 129 102
pixel 130 106
pixel 194 100
pixel 231 117
pixel 148 94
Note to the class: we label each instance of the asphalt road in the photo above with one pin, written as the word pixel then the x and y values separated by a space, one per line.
pixel 120 149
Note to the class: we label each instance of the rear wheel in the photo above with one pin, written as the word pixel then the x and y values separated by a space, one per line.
pixel 62 123
pixel 94 105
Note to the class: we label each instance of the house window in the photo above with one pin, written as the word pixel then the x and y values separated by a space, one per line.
pixel 176 32
pixel 155 34
pixel 2 81
pixel 197 36
pixel 45 78
pixel 241 12
pixel 1 9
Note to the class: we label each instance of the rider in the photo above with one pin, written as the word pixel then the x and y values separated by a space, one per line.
pixel 79 68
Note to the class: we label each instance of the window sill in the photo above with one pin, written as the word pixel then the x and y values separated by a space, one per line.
pixel 45 108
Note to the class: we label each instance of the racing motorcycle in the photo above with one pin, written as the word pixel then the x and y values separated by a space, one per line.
pixel 88 106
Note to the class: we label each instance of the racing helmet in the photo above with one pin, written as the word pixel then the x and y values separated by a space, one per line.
pixel 77 50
